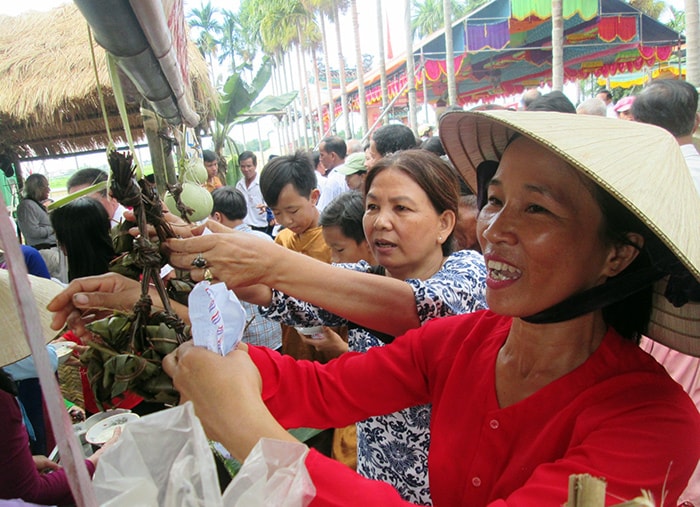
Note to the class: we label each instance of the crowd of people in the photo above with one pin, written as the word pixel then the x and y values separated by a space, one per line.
pixel 500 306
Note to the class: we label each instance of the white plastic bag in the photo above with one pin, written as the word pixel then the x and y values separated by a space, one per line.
pixel 273 475
pixel 217 316
pixel 163 459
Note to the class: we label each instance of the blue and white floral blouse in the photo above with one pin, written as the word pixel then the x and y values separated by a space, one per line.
pixel 394 448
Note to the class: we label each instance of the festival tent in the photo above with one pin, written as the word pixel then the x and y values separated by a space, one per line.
pixel 666 70
pixel 505 46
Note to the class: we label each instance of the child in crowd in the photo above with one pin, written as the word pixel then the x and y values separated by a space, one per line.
pixel 230 209
pixel 288 185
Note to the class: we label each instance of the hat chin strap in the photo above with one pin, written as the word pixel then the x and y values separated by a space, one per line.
pixel 613 290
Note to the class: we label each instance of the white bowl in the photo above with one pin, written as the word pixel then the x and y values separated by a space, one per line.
pixel 99 416
pixel 63 350
pixel 311 332
pixel 103 430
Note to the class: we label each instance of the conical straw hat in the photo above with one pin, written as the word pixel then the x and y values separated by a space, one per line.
pixel 13 345
pixel 640 165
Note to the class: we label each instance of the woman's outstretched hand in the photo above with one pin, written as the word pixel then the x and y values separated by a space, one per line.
pixel 91 298
pixel 237 258
pixel 226 394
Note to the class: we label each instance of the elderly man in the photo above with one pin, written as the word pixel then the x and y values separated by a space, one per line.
pixel 673 105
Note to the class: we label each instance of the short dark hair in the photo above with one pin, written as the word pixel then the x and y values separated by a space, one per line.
pixel 248 155
pixel 89 176
pixel 209 156
pixel 335 144
pixel 392 138
pixel 346 211
pixel 279 172
pixel 82 229
pixel 433 145
pixel 553 101
pixel 606 92
pixel 229 202
pixel 668 103
pixel 437 179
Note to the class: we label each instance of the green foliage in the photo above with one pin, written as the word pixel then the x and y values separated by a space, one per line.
pixel 652 8
pixel 428 15
pixel 237 95
pixel 677 23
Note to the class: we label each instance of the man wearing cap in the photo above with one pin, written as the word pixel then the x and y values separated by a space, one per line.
pixel 623 108
pixel 333 151
pixel 354 171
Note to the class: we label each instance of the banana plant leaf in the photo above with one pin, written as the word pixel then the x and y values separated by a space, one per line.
pixel 267 105
pixel 238 95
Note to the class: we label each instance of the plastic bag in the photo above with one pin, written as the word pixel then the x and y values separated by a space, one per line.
pixel 273 475
pixel 217 316
pixel 163 459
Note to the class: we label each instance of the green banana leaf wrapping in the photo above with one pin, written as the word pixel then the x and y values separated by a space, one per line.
pixel 125 350
pixel 116 365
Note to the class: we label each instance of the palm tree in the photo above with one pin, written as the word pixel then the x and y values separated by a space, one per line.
pixel 652 8
pixel 362 95
pixel 322 8
pixel 429 15
pixel 204 20
pixel 677 22
pixel 557 46
pixel 382 62
pixel 692 33
pixel 410 70
pixel 338 6
pixel 449 54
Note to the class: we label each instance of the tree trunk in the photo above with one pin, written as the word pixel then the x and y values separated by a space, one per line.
pixel 449 54
pixel 302 90
pixel 362 94
pixel 291 112
pixel 329 78
pixel 343 81
pixel 557 46
pixel 410 70
pixel 319 101
pixel 692 33
pixel 382 62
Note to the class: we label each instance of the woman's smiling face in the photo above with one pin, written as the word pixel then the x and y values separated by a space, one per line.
pixel 540 232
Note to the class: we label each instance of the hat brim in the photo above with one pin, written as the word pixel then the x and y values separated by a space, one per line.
pixel 640 165
pixel 14 345
pixel 347 171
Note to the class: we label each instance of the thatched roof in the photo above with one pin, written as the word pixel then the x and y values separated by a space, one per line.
pixel 48 99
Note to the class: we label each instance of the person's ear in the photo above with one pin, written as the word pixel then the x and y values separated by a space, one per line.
pixel 697 122
pixel 216 216
pixel 446 225
pixel 622 254
pixel 314 196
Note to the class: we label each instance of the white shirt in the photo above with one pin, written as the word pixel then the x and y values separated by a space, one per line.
pixel 334 186
pixel 692 158
pixel 117 216
pixel 253 198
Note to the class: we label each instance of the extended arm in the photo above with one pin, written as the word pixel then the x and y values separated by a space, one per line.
pixel 243 260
